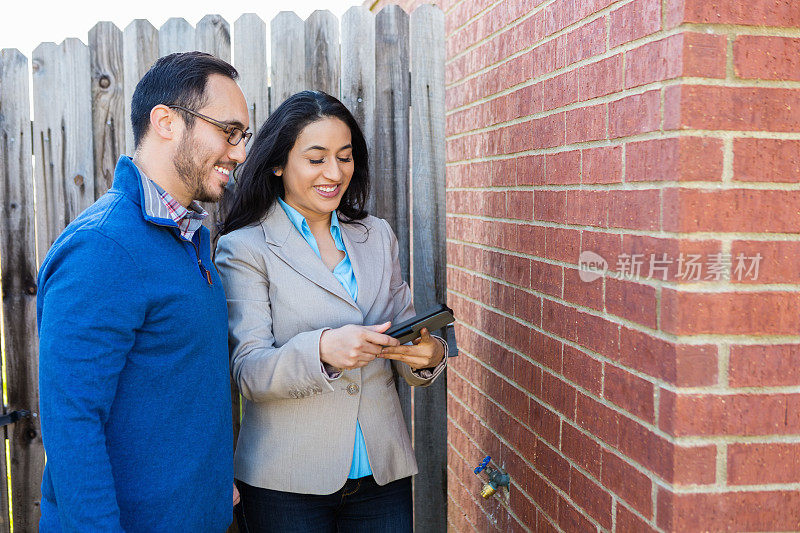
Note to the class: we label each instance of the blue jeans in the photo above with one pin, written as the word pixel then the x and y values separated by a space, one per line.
pixel 360 506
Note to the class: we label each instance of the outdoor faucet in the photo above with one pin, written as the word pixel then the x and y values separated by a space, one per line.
pixel 496 477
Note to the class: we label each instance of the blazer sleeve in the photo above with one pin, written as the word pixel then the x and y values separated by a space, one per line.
pixel 262 370
pixel 403 310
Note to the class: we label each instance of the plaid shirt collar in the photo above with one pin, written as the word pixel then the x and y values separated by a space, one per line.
pixel 158 203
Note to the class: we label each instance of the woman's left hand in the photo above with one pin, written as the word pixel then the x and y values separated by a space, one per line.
pixel 425 352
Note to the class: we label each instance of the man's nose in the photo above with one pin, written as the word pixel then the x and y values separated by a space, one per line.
pixel 238 153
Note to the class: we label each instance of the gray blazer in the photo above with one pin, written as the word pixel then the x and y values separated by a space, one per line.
pixel 298 426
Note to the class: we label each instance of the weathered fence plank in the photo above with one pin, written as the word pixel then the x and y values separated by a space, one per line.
pixel 250 59
pixel 358 71
pixel 213 35
pixel 322 52
pixel 64 174
pixel 64 167
pixel 108 108
pixel 427 32
pixel 389 198
pixel 175 35
pixel 17 245
pixel 140 51
pixel 287 57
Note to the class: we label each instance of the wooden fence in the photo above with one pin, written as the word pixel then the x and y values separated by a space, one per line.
pixel 387 68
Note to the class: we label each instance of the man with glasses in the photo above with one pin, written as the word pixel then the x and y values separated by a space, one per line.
pixel 135 396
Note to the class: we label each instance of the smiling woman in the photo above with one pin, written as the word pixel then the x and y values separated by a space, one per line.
pixel 313 282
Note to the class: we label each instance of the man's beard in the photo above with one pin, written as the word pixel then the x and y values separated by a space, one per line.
pixel 193 171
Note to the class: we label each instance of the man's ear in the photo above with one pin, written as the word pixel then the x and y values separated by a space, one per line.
pixel 162 122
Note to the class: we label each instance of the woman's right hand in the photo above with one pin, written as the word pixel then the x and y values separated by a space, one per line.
pixel 353 346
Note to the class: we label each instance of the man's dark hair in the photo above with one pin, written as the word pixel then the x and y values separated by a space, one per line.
pixel 175 79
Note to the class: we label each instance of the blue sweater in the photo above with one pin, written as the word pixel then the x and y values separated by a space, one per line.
pixel 133 374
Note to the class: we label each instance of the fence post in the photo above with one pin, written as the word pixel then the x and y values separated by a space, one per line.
pixel 140 51
pixel 108 108
pixel 250 59
pixel 175 35
pixel 429 258
pixel 390 199
pixel 322 52
pixel 288 57
pixel 17 256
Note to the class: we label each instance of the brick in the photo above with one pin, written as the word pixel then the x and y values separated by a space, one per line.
pixel 581 449
pixel 586 41
pixel 559 394
pixel 602 165
pixel 633 21
pixel 707 107
pixel 762 463
pixel 599 334
pixel 628 483
pixel 765 262
pixel 560 90
pixel 684 54
pixel 627 522
pixel 634 114
pixel 630 392
pixel 749 313
pixel 544 422
pixel 530 240
pixel 550 206
pixel 764 366
pixel 597 419
pixel 545 58
pixel 587 208
pixel 731 210
pixel 767 160
pixel 729 511
pixel 546 350
pixel 552 466
pixel 590 497
pixel 530 170
pixel 546 278
pixel 766 57
pixel 681 365
pixel 652 451
pixel 607 245
pixel 582 369
pixel 694 465
pixel 631 300
pixel 527 307
pixel 636 209
pixel 780 13
pixel 734 414
pixel 601 77
pixel 649 251
pixel 580 292
pixel 570 519
pixel 545 132
pixel 562 244
pixel 586 123
pixel 563 168
pixel 674 159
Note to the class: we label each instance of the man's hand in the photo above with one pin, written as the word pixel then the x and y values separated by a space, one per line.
pixel 425 352
pixel 353 346
pixel 236 497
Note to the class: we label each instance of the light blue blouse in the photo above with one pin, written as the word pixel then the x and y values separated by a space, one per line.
pixel 344 273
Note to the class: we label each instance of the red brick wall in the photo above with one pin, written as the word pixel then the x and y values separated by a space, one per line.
pixel 640 130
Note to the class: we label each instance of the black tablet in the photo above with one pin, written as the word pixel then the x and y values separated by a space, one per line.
pixel 433 319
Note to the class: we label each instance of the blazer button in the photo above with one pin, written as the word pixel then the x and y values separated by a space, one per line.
pixel 352 389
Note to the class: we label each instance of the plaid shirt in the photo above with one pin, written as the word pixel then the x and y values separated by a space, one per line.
pixel 188 219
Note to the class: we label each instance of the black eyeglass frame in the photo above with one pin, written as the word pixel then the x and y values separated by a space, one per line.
pixel 230 129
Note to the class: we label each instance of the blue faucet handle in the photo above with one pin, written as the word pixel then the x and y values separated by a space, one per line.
pixel 483 465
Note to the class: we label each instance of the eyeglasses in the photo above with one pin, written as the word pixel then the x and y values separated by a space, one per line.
pixel 235 135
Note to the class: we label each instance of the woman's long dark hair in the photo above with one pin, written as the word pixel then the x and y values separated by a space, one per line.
pixel 257 186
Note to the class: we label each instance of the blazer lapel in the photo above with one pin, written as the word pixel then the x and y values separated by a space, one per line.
pixel 287 243
pixel 366 260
